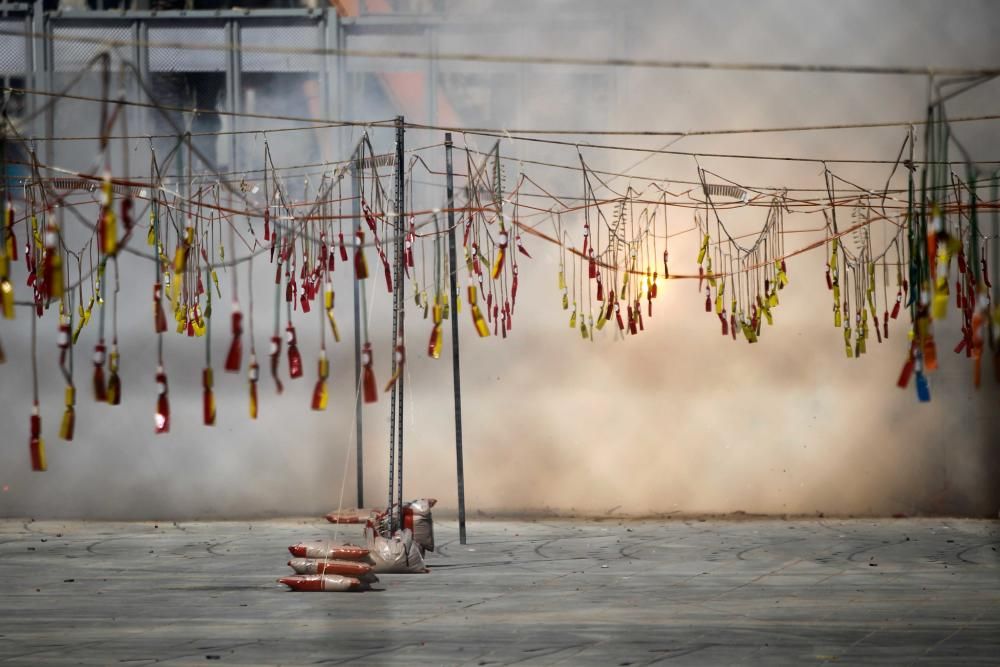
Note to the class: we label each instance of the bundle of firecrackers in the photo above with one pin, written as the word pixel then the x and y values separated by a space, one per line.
pixel 940 269
pixel 182 300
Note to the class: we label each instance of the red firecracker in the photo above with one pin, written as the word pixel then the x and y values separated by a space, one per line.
pixel 100 388
pixel 294 357
pixel 162 418
pixel 36 444
pixel 275 354
pixel 234 357
pixel 370 389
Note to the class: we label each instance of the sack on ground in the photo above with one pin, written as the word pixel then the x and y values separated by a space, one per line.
pixel 347 568
pixel 348 516
pixel 326 583
pixel 324 550
pixel 423 523
pixel 398 554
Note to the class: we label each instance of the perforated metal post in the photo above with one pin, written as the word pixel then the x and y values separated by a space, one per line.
pixel 453 303
pixel 398 335
pixel 358 424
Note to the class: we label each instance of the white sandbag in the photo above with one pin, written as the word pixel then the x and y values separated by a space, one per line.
pixel 423 523
pixel 326 583
pixel 398 554
pixel 328 550
pixel 346 568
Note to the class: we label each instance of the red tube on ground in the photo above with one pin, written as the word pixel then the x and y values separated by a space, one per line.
pixel 326 583
pixel 347 568
pixel 328 551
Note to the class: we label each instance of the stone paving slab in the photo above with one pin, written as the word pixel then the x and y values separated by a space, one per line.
pixel 532 592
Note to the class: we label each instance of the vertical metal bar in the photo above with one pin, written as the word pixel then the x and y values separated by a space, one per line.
pixel 972 176
pixel 498 181
pixel 231 91
pixel 142 63
pixel 995 259
pixel 325 78
pixel 135 90
pixel 395 518
pixel 31 74
pixel 358 425
pixel 43 65
pixel 237 84
pixel 50 84
pixel 3 194
pixel 400 384
pixel 455 368
pixel 432 69
pixel 341 109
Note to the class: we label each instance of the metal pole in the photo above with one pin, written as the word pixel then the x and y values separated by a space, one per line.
pixel 995 260
pixel 398 284
pixel 392 397
pixel 432 75
pixel 456 370
pixel 398 312
pixel 142 64
pixel 324 87
pixel 43 63
pixel 31 58
pixel 235 76
pixel 3 194
pixel 359 464
pixel 341 109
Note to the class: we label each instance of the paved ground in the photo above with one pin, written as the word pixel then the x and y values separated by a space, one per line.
pixel 534 592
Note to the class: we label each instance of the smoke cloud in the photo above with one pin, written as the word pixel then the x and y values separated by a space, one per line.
pixel 678 419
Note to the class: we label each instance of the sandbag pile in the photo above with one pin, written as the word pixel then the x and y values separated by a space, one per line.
pixel 329 551
pixel 422 523
pixel 325 567
pixel 325 583
pixel 348 516
pixel 347 568
pixel 417 519
pixel 397 554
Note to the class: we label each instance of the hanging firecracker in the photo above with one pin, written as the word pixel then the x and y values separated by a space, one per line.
pixel 294 356
pixel 370 389
pixel 328 302
pixel 275 355
pixel 208 397
pixel 162 416
pixel 67 427
pixel 477 317
pixel 399 357
pixel 320 395
pixel 234 357
pixel 253 374
pixel 99 384
pixel 52 271
pixel 36 445
pixel 107 224
pixel 114 393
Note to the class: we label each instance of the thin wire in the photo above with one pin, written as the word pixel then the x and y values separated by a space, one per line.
pixel 522 60
pixel 634 149
pixel 321 124
pixel 513 133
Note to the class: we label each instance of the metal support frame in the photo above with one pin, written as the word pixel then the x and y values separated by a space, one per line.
pixel 432 77
pixel 234 90
pixel 995 259
pixel 455 367
pixel 41 72
pixel 333 79
pixel 398 337
pixel 358 421
pixel 400 383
